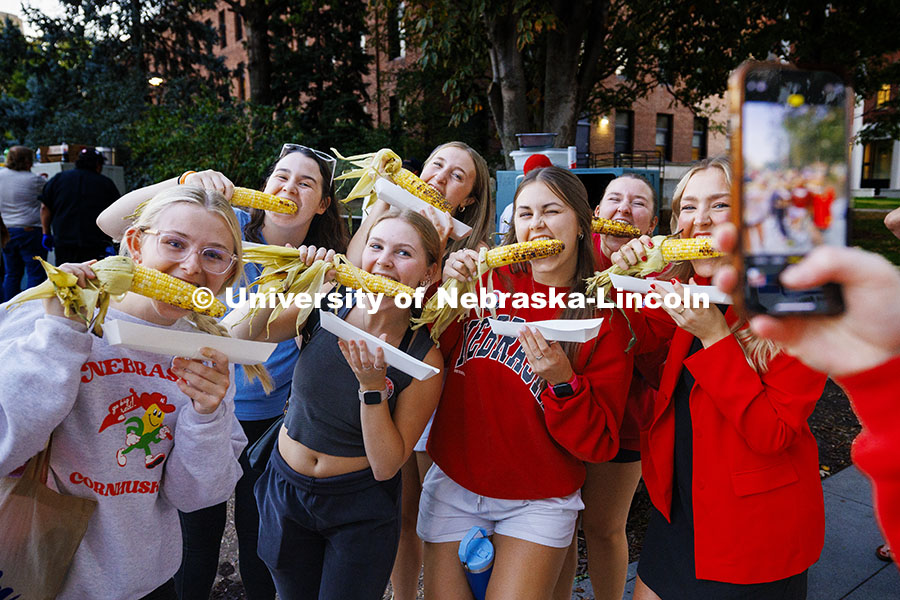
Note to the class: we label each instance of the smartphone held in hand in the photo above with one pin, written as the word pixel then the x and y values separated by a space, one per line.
pixel 790 153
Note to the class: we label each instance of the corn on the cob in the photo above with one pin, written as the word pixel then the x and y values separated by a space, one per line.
pixel 171 290
pixel 688 249
pixel 115 275
pixel 418 188
pixel 614 228
pixel 355 277
pixel 522 252
pixel 261 200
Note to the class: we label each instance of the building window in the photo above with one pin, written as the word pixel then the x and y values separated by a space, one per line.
pixel 698 141
pixel 884 95
pixel 624 141
pixel 664 135
pixel 238 27
pixel 876 167
pixel 242 89
pixel 396 43
pixel 222 41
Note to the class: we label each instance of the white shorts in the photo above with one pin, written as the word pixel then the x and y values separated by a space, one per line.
pixel 447 511
pixel 423 439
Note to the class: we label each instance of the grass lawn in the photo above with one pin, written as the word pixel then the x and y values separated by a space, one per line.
pixel 885 203
pixel 868 232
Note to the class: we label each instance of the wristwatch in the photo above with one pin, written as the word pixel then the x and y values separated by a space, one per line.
pixel 567 389
pixel 373 396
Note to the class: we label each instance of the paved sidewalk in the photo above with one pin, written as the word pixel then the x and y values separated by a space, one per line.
pixel 848 568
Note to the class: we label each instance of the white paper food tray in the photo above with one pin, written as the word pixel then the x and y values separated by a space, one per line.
pixel 397 196
pixel 642 286
pixel 559 330
pixel 393 356
pixel 184 343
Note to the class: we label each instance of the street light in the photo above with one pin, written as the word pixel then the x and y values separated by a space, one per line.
pixel 155 81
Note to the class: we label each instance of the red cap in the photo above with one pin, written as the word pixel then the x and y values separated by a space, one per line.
pixel 536 161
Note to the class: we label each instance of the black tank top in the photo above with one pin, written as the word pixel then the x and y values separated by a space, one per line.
pixel 323 411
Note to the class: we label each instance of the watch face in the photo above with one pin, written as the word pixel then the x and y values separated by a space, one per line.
pixel 563 390
pixel 372 397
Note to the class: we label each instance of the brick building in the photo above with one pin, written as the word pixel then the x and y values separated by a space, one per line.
pixel 875 165
pixel 230 27
pixel 658 123
pixel 654 123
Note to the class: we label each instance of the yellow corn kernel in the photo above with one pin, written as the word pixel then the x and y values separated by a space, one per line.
pixel 261 200
pixel 356 278
pixel 615 228
pixel 171 290
pixel 522 252
pixel 688 249
pixel 418 188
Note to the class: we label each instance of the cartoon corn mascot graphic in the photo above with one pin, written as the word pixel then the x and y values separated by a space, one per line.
pixel 141 432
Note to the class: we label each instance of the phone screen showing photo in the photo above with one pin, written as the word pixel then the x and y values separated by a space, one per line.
pixel 794 187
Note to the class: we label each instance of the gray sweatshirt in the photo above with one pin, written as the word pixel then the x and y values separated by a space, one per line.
pixel 123 434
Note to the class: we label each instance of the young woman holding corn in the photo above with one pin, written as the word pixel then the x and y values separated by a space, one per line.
pixel 518 416
pixel 459 174
pixel 116 414
pixel 302 178
pixel 729 461
pixel 628 202
pixel 330 496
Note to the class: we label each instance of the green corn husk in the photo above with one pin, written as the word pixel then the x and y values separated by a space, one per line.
pixel 655 263
pixel 442 317
pixel 114 276
pixel 369 168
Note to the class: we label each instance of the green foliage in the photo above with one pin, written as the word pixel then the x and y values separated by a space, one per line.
pixel 239 139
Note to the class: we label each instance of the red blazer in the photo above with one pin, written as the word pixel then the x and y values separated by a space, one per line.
pixel 876 450
pixel 758 507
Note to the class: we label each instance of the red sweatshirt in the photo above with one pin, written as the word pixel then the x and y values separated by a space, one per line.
pixel 497 434
pixel 640 394
pixel 877 449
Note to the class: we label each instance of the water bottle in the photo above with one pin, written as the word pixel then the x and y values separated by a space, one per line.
pixel 477 557
pixel 65 152
pixel 37 155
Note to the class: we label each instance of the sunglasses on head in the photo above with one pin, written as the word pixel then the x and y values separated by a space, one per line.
pixel 327 158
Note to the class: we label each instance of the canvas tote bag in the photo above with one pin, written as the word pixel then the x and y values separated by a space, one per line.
pixel 41 530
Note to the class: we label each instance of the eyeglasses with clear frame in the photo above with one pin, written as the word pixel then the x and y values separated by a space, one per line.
pixel 171 246
pixel 288 148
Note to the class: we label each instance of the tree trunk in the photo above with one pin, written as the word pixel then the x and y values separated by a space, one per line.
pixel 137 36
pixel 572 56
pixel 507 93
pixel 259 59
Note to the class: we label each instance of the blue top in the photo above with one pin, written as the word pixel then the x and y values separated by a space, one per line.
pixel 251 402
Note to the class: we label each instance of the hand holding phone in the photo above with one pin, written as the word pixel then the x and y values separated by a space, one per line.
pixel 790 156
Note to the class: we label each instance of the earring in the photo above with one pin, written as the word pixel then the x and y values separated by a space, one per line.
pixel 462 209
pixel 425 282
pixel 581 236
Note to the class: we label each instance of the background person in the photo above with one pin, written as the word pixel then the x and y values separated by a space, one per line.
pixel 74 199
pixel 610 486
pixel 20 209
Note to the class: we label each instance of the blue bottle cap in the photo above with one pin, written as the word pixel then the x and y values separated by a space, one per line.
pixel 476 553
